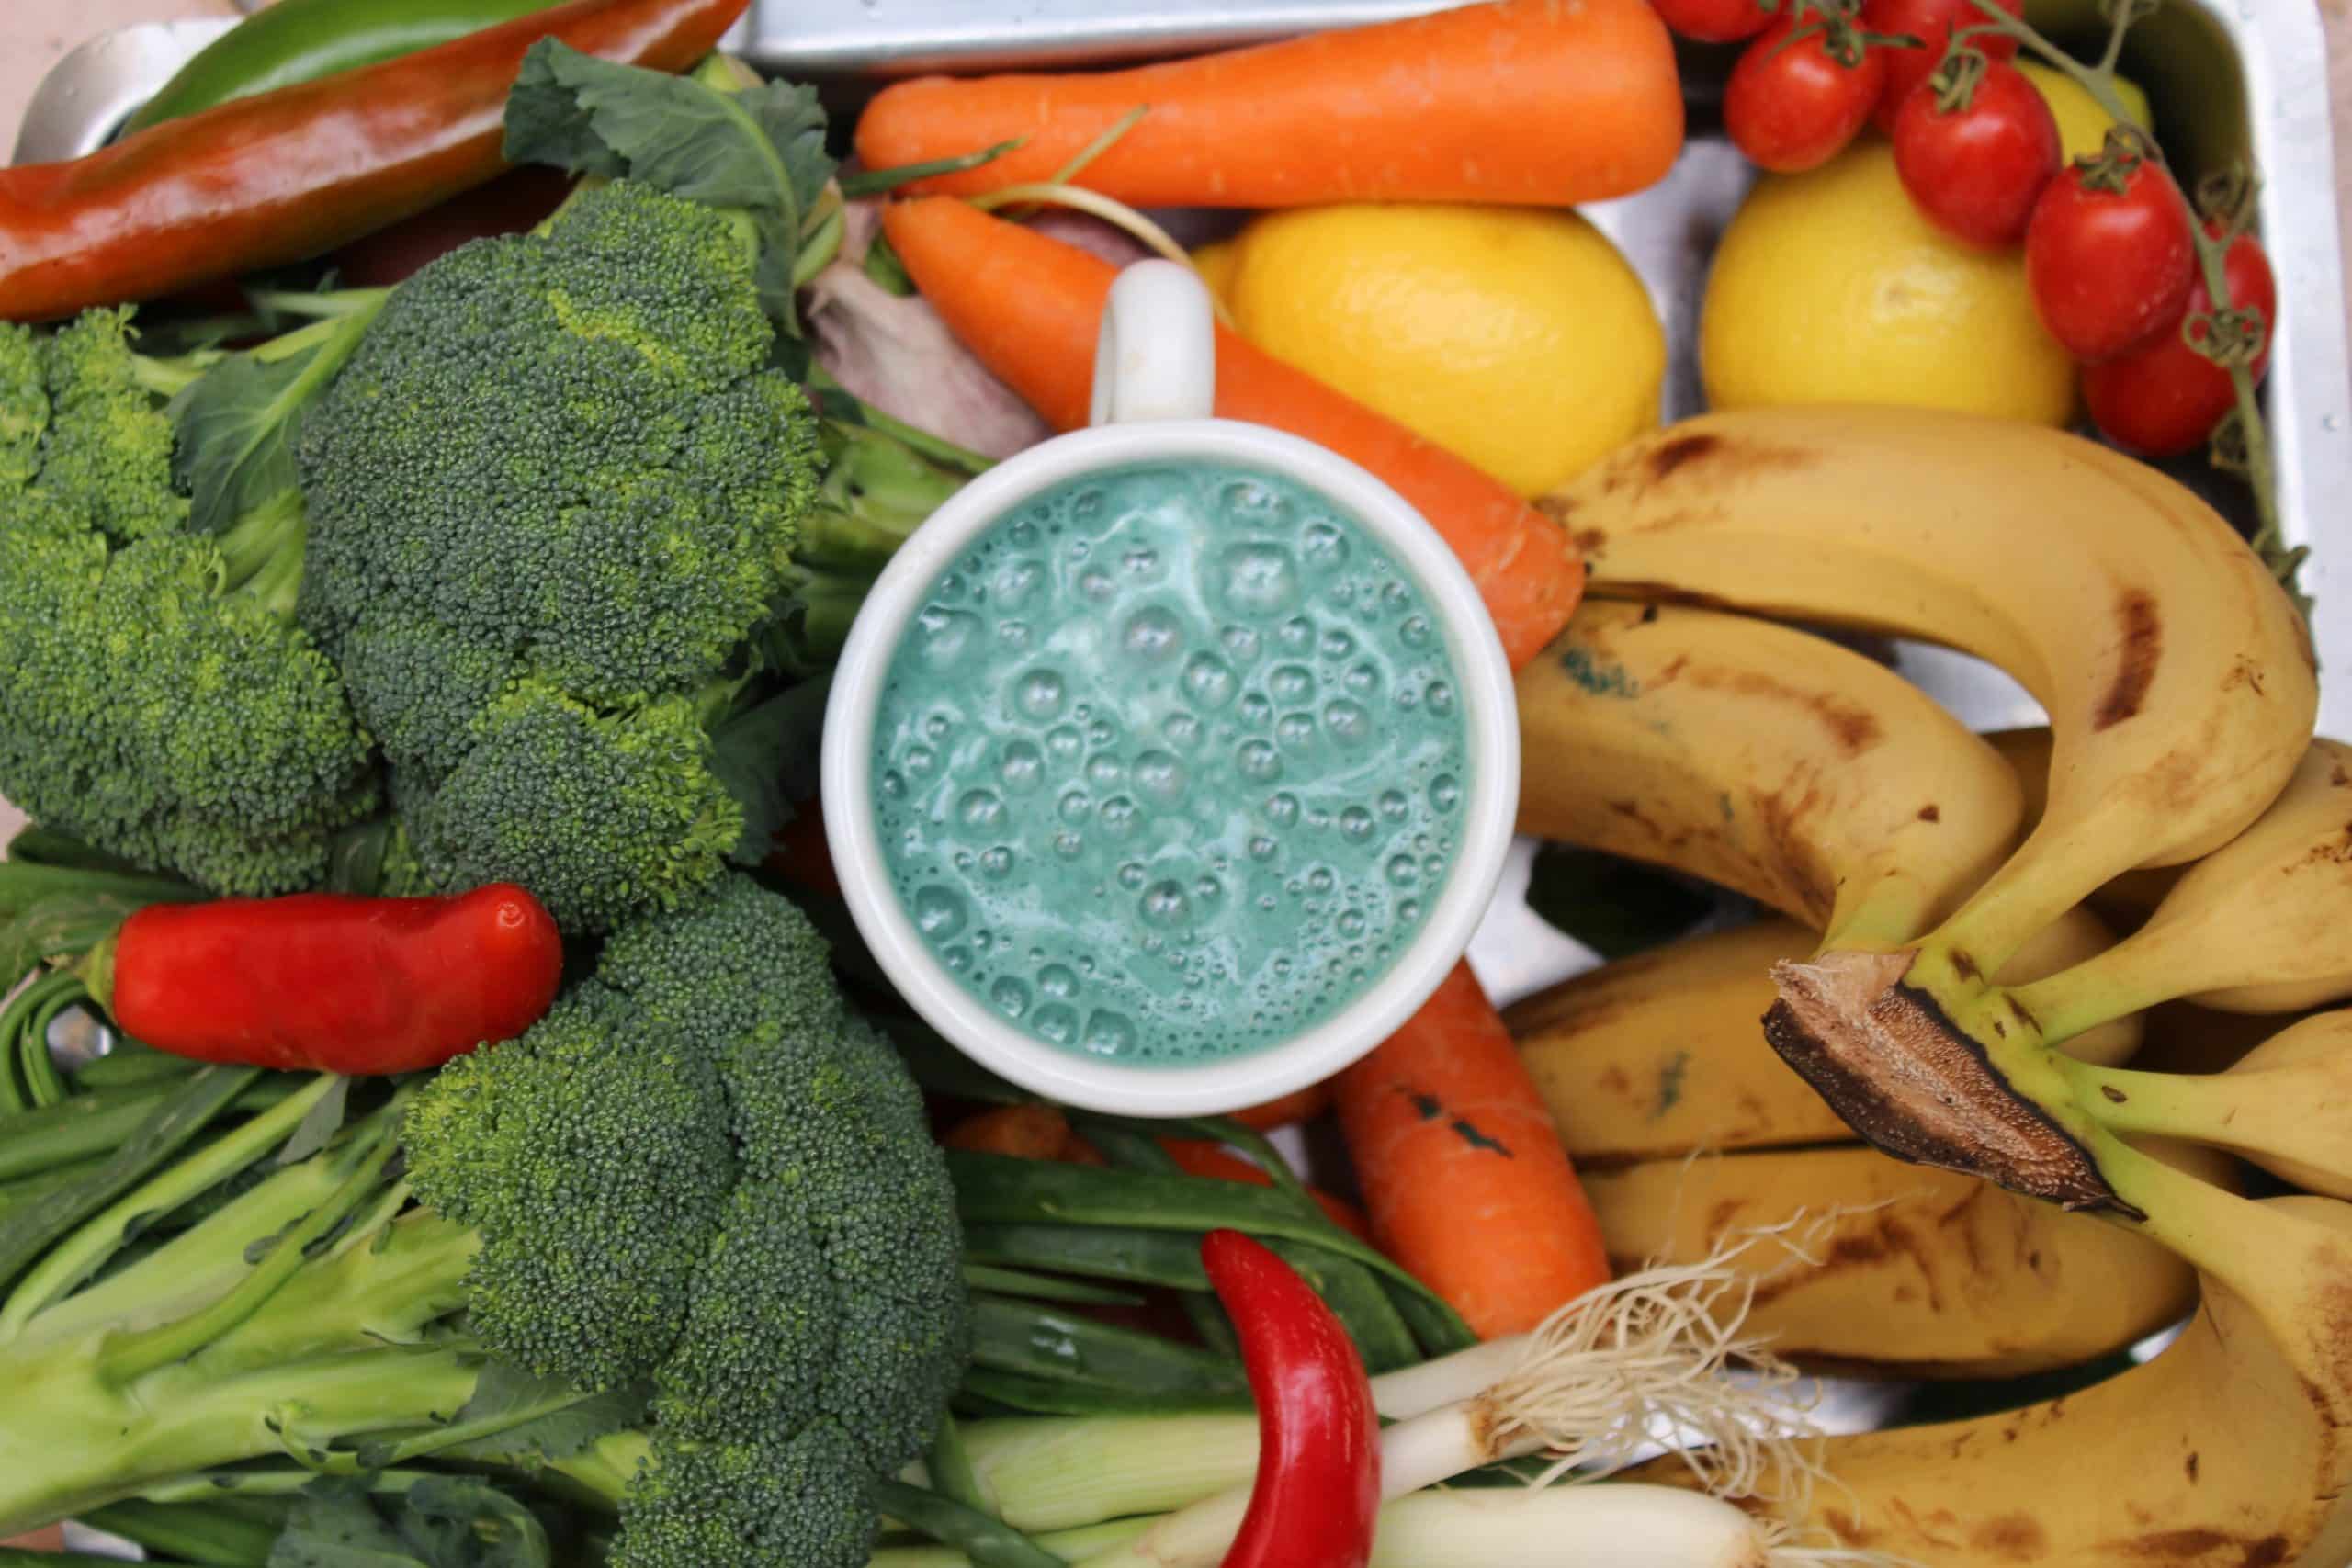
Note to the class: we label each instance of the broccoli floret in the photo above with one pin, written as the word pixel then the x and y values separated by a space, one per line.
pixel 592 1154
pixel 561 464
pixel 24 408
pixel 599 814
pixel 157 702
pixel 741 1505
pixel 802 1280
pixel 693 1213
pixel 106 464
pixel 565 447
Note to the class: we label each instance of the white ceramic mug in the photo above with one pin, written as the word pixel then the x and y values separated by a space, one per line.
pixel 1154 387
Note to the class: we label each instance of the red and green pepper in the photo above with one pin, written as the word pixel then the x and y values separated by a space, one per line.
pixel 289 174
pixel 302 40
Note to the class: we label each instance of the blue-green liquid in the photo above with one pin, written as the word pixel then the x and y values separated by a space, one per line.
pixel 1170 765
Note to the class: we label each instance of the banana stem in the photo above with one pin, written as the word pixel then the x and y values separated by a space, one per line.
pixel 2165 1105
pixel 2254 1250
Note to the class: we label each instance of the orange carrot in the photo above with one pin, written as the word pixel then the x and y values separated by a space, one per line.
pixel 1029 308
pixel 1021 1132
pixel 1299 1105
pixel 1547 103
pixel 1462 1169
pixel 1200 1157
pixel 1077 1151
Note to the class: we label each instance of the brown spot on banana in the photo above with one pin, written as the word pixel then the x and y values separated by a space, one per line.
pixel 2018 1535
pixel 1680 452
pixel 1854 727
pixel 2138 651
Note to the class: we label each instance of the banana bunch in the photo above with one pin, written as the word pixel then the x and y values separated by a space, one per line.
pixel 1818 783
pixel 2181 693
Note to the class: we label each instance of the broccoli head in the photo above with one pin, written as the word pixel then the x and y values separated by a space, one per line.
pixel 569 523
pixel 553 495
pixel 155 699
pixel 702 1171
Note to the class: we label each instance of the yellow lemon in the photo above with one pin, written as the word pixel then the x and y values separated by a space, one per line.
pixel 1830 287
pixel 1214 262
pixel 2082 124
pixel 1515 337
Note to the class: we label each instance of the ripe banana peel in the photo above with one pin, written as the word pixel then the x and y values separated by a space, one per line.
pixel 1768 760
pixel 1935 1064
pixel 2178 676
pixel 1896 1268
pixel 2286 1105
pixel 1660 1054
pixel 2128 900
pixel 2231 1448
pixel 2181 692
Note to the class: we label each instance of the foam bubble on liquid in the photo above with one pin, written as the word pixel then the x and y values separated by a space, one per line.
pixel 1213 882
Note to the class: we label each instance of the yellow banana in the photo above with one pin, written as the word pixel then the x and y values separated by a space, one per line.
pixel 2178 676
pixel 1660 1053
pixel 2128 899
pixel 1911 1272
pixel 1957 1073
pixel 2263 924
pixel 2231 1448
pixel 2287 1105
pixel 1811 779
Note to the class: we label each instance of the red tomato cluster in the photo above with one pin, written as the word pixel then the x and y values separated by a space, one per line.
pixel 2110 259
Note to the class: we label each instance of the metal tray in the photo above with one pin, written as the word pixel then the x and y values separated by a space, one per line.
pixel 2230 79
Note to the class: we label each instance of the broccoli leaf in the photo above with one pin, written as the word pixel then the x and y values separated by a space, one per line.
pixel 766 757
pixel 570 1425
pixel 762 150
pixel 436 1521
pixel 234 426
pixel 335 1527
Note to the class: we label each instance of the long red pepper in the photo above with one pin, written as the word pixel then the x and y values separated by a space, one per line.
pixel 289 174
pixel 1317 1493
pixel 326 982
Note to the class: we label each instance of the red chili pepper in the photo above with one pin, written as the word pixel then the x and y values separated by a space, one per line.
pixel 287 175
pixel 326 982
pixel 1318 1493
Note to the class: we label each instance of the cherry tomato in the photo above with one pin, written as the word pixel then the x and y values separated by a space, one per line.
pixel 1796 108
pixel 1713 21
pixel 1976 171
pixel 2109 268
pixel 2164 398
pixel 1931 22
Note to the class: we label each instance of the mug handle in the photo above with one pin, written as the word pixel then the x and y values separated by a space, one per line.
pixel 1156 355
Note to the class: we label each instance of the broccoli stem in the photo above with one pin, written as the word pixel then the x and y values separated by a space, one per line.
pixel 604 1470
pixel 82 1253
pixel 878 491
pixel 263 550
pixel 97 1444
pixel 131 1354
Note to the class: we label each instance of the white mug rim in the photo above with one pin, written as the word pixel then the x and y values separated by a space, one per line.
pixel 1223 1083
